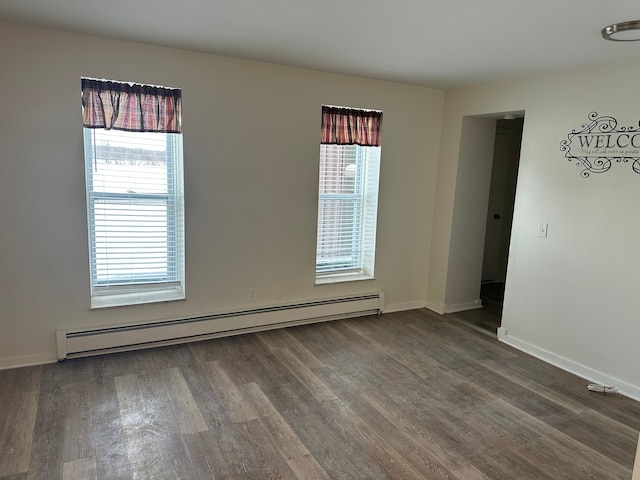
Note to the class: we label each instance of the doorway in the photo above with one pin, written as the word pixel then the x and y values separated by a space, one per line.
pixel 502 194
pixel 492 245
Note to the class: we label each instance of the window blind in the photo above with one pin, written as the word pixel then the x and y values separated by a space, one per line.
pixel 134 194
pixel 347 209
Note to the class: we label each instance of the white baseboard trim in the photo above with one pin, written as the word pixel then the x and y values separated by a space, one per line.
pixel 27 360
pixel 436 307
pixel 443 308
pixel 588 373
pixel 461 307
pixel 403 306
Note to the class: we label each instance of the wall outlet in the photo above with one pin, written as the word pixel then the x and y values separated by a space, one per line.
pixel 253 294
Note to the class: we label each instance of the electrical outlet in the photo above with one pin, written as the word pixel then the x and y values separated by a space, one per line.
pixel 253 294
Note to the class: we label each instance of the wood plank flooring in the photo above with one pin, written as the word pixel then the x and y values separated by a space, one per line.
pixel 409 395
pixel 488 318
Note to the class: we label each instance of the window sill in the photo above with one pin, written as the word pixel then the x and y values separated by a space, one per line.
pixel 342 277
pixel 137 298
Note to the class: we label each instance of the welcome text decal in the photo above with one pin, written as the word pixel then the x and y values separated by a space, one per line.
pixel 596 145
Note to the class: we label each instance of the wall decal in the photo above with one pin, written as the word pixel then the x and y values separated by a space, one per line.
pixel 596 145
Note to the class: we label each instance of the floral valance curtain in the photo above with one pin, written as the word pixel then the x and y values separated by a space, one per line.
pixel 347 126
pixel 131 107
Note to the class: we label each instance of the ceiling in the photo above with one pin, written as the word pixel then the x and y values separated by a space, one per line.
pixel 439 43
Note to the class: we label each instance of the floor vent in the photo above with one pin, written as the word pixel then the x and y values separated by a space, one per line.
pixel 75 343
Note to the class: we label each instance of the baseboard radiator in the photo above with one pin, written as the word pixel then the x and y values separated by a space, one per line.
pixel 75 343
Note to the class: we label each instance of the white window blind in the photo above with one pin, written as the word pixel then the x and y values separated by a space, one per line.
pixel 135 213
pixel 347 209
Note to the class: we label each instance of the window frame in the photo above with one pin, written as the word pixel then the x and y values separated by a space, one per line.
pixel 365 200
pixel 148 290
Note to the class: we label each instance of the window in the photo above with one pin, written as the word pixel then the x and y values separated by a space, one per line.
pixel 347 202
pixel 134 205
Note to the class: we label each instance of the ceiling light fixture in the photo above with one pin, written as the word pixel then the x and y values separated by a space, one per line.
pixel 622 32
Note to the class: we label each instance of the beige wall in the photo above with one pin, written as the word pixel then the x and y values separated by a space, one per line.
pixel 571 298
pixel 251 133
pixel 251 148
pixel 470 213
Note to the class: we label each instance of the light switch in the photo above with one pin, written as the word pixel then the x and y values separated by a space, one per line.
pixel 542 229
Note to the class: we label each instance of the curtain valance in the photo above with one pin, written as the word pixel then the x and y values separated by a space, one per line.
pixel 131 107
pixel 347 126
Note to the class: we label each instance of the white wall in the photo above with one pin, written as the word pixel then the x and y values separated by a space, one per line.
pixel 473 181
pixel 571 298
pixel 251 133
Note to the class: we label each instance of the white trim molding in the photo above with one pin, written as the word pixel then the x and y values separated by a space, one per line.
pixel 27 360
pixel 436 307
pixel 588 373
pixel 403 306
pixel 461 307
pixel 443 308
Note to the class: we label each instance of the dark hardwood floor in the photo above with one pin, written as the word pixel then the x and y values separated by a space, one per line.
pixel 409 395
pixel 488 318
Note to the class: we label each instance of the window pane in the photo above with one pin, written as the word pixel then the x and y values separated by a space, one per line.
pixel 126 162
pixel 131 241
pixel 338 238
pixel 134 190
pixel 347 209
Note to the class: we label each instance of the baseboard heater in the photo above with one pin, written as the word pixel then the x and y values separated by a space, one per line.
pixel 75 343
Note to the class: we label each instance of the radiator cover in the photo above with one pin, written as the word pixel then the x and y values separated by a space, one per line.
pixel 74 343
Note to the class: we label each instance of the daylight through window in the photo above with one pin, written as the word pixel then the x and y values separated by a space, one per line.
pixel 134 203
pixel 347 195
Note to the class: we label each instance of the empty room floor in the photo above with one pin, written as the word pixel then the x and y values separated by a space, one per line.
pixel 408 395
